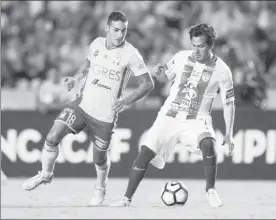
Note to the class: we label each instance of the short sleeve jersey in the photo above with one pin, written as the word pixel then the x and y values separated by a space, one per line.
pixel 109 72
pixel 195 85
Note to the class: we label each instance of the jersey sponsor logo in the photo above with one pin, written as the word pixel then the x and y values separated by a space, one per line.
pixel 105 72
pixel 96 82
pixel 206 76
pixel 189 91
pixel 175 106
pixel 229 93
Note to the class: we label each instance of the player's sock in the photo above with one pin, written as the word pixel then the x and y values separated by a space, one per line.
pixel 209 162
pixel 210 174
pixel 102 172
pixel 49 156
pixel 138 170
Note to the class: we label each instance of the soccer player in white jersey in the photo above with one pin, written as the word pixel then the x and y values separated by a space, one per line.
pixel 198 75
pixel 110 61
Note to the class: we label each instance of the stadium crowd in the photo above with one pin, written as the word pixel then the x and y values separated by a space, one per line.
pixel 39 37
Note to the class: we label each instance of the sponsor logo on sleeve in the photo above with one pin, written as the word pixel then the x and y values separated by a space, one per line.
pixel 229 93
pixel 96 53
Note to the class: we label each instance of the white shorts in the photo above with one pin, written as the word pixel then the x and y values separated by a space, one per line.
pixel 166 132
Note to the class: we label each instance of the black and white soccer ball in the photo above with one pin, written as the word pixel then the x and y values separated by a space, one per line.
pixel 174 193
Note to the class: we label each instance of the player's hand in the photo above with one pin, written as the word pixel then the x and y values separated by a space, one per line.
pixel 69 82
pixel 120 106
pixel 228 142
pixel 157 69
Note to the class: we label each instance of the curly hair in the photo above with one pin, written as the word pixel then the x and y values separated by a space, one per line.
pixel 203 30
pixel 116 16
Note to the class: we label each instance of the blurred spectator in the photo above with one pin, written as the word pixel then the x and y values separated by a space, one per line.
pixel 39 36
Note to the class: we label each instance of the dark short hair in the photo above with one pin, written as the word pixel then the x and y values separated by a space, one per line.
pixel 203 30
pixel 116 16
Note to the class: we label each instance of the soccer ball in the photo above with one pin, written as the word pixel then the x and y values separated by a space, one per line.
pixel 174 193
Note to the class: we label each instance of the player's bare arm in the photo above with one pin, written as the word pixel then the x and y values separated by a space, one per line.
pixel 158 72
pixel 229 117
pixel 146 84
pixel 70 82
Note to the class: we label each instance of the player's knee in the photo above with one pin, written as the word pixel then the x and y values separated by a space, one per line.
pixel 100 158
pixel 100 153
pixel 207 146
pixel 144 157
pixel 53 137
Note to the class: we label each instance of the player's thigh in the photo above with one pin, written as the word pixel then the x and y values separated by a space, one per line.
pixel 162 134
pixel 101 132
pixel 194 131
pixel 206 131
pixel 71 117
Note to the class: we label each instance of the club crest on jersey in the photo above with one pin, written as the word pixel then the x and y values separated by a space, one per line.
pixel 117 59
pixel 205 76
pixel 141 64
pixel 96 53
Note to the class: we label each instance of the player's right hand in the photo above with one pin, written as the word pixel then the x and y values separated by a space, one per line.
pixel 228 142
pixel 69 82
pixel 157 70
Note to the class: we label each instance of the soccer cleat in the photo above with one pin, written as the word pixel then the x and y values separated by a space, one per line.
pixel 213 198
pixel 35 181
pixel 99 195
pixel 124 202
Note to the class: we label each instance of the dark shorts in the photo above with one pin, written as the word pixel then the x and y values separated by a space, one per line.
pixel 76 119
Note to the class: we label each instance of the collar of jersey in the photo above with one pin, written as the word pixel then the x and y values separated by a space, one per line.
pixel 123 43
pixel 212 58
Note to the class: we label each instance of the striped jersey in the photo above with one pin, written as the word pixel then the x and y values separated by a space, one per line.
pixel 195 86
pixel 109 72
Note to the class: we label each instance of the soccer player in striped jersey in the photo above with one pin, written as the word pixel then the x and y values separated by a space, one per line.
pixel 110 63
pixel 198 76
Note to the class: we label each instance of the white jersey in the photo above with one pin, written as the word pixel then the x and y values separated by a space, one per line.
pixel 108 75
pixel 195 86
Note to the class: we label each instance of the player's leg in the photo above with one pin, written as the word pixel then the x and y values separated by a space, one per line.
pixel 206 143
pixel 102 132
pixel 50 153
pixel 102 163
pixel 137 173
pixel 207 146
pixel 138 170
pixel 68 121
pixel 154 149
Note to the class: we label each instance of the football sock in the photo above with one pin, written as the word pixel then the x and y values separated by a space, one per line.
pixel 102 172
pixel 209 162
pixel 138 170
pixel 49 156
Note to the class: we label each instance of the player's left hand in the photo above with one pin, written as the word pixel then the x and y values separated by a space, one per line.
pixel 228 142
pixel 120 106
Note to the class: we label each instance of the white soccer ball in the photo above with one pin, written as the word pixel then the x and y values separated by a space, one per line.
pixel 174 193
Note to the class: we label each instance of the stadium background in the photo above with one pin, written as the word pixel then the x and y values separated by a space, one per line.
pixel 43 41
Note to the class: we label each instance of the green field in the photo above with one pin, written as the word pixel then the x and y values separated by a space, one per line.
pixel 68 197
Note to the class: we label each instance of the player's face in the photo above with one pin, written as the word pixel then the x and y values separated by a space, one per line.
pixel 116 32
pixel 201 50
